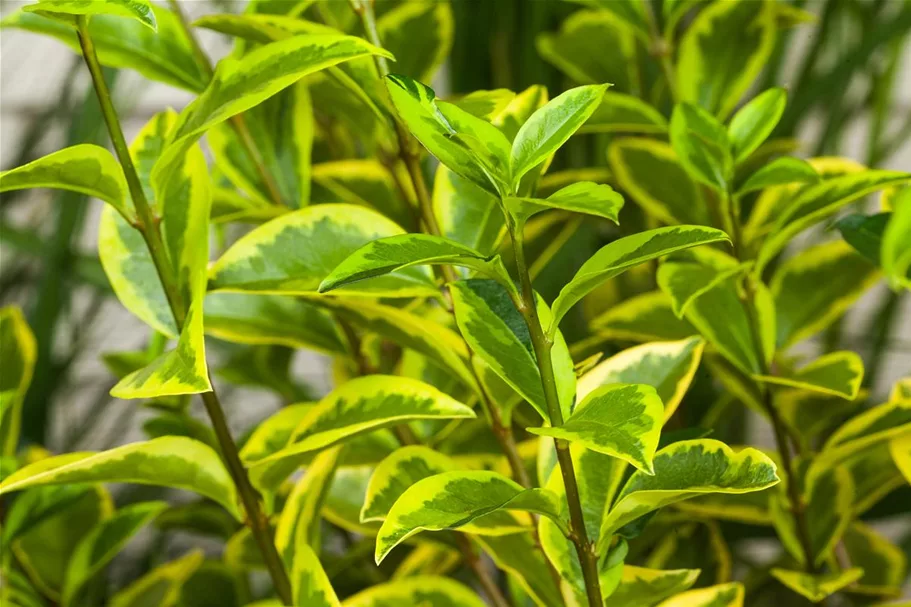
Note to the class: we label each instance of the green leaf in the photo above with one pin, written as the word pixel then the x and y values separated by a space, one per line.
pixel 876 425
pixel 621 113
pixel 485 104
pixel 418 109
pixel 673 199
pixel 622 254
pixel 139 10
pixel 172 461
pixel 514 115
pixel 815 287
pixel 864 233
pixel 550 126
pixel 163 56
pixel 309 583
pixel 281 129
pixel 900 448
pixel 836 373
pixel 685 281
pixel 721 317
pixel 466 213
pixel 36 506
pixel 621 420
pixel 896 252
pixel 260 27
pixel 360 405
pixel 702 145
pixel 452 499
pixel 517 554
pixel 755 121
pixel 685 469
pixel 408 329
pixel 160 587
pixel 829 497
pixel 719 69
pixel 87 169
pixel 641 586
pixel 669 367
pixel 817 587
pixel 298 526
pixel 395 474
pixel 497 333
pixel 363 182
pixel 240 84
pixel 419 590
pixel 386 255
pixel 642 318
pixel 584 197
pixel 419 35
pixel 722 595
pixel 884 563
pixel 247 318
pixel 817 202
pixel 18 350
pixel 321 237
pixel 781 171
pixel 103 543
pixel 273 432
pixel 577 51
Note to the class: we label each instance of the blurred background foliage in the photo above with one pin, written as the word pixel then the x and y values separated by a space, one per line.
pixel 846 65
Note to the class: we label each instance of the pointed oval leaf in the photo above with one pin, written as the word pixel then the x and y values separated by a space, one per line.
pixel 86 169
pixel 299 523
pixel 817 587
pixel 321 237
pixel 755 121
pixel 815 287
pixel 360 405
pixel 102 543
pixel 170 461
pixel 395 474
pixel 487 144
pixel 864 233
pixel 549 127
pixel 719 70
pixel 684 281
pixel 517 554
pixel 261 27
pixel 702 145
pixel 669 367
pixel 164 56
pixel 900 448
pixel 817 202
pixel 248 318
pixel 140 10
pixel 417 108
pixel 722 595
pixel 673 199
pixel 584 197
pixel 466 213
pixel 240 84
pixel 685 469
pixel 622 420
pixel 160 587
pixel 273 432
pixel 411 26
pixel 622 254
pixel 452 499
pixel 836 373
pixel 641 586
pixel 393 253
pixel 642 318
pixel 878 424
pixel 419 590
pixel 310 585
pixel 621 113
pixel 781 171
pixel 883 562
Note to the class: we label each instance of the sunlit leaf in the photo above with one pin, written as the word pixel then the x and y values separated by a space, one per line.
pixel 817 587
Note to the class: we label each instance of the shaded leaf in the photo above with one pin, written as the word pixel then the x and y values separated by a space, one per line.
pixel 817 587
pixel 836 373
pixel 755 121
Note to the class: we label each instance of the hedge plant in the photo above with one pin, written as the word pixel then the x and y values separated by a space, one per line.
pixel 535 366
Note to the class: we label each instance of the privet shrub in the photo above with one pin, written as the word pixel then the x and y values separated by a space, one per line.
pixel 532 405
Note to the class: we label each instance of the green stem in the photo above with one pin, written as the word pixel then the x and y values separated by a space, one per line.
pixel 542 345
pixel 148 225
pixel 661 50
pixel 238 122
